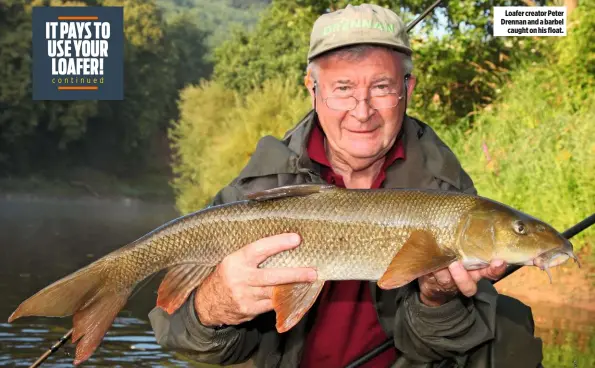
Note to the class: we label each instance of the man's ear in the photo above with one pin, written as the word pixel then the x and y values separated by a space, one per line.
pixel 410 81
pixel 309 83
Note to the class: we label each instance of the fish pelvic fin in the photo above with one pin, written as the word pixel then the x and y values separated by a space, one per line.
pixel 89 296
pixel 292 301
pixel 289 191
pixel 419 256
pixel 178 283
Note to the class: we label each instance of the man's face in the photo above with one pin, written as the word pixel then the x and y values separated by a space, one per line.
pixel 364 132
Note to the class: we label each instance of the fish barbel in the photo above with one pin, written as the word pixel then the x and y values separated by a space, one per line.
pixel 392 236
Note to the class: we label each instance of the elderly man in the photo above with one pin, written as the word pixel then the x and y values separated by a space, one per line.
pixel 357 136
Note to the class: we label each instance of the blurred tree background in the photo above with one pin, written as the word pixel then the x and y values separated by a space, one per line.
pixel 109 146
pixel 204 80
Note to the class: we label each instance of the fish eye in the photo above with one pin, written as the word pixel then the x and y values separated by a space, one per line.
pixel 519 227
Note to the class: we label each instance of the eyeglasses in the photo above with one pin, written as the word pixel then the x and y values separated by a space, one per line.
pixel 349 103
pixel 380 100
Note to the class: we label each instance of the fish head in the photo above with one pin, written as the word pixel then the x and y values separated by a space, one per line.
pixel 496 231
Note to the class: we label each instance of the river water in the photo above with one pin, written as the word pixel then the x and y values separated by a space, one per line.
pixel 43 239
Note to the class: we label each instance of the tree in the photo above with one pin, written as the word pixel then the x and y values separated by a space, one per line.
pixel 188 51
pixel 215 18
pixel 218 131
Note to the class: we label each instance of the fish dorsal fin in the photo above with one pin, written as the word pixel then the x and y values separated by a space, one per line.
pixel 419 256
pixel 289 191
pixel 292 301
pixel 178 283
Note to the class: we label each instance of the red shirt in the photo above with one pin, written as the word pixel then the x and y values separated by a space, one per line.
pixel 346 325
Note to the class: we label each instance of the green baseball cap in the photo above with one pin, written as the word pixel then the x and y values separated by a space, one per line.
pixel 366 23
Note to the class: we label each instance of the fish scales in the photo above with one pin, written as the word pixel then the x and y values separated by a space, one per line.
pixel 345 235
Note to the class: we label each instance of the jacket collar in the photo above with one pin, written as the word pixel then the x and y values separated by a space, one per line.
pixel 428 158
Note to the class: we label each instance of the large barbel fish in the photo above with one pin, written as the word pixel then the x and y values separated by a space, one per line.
pixel 390 235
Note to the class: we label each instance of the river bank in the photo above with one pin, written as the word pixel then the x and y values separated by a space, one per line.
pixel 89 183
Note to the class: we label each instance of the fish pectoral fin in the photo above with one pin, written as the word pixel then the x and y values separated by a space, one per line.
pixel 292 301
pixel 178 283
pixel 419 256
pixel 289 191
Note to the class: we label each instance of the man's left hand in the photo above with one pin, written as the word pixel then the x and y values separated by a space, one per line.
pixel 442 286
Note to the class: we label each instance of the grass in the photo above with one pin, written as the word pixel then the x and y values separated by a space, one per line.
pixel 570 353
pixel 534 152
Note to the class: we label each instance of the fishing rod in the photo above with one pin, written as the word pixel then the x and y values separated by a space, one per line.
pixel 423 15
pixel 571 232
pixel 53 349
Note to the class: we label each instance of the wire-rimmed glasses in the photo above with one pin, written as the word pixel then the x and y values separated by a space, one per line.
pixel 378 100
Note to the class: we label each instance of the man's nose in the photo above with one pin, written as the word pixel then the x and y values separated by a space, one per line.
pixel 363 111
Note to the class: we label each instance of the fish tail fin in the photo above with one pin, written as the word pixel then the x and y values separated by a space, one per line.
pixel 89 295
pixel 63 297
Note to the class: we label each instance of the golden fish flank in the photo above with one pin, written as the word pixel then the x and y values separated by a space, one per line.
pixel 390 235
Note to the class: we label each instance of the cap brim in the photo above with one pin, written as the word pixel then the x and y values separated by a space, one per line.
pixel 400 48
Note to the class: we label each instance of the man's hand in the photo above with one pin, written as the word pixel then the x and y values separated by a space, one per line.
pixel 441 286
pixel 237 291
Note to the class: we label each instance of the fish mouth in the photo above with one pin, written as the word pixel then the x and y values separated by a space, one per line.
pixel 555 257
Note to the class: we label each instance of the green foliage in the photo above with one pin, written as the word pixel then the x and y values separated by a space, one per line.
pixel 462 68
pixel 277 48
pixel 568 354
pixel 160 59
pixel 533 153
pixel 218 131
pixel 215 18
pixel 187 55
pixel 203 116
pixel 576 56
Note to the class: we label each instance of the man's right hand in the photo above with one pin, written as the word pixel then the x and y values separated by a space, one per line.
pixel 237 291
